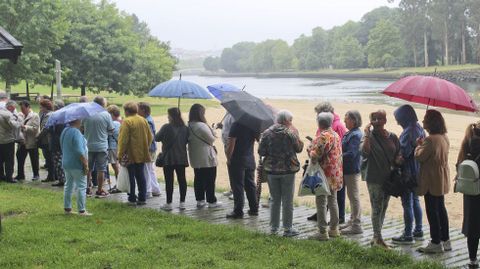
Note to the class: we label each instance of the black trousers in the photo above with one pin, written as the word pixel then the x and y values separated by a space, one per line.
pixel 204 183
pixel 437 218
pixel 22 153
pixel 472 247
pixel 341 204
pixel 47 154
pixel 182 181
pixel 242 179
pixel 7 157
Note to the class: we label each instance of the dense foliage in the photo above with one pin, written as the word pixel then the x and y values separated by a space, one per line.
pixel 100 47
pixel 417 33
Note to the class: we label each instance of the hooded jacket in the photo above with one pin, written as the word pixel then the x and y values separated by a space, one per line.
pixel 407 118
pixel 280 146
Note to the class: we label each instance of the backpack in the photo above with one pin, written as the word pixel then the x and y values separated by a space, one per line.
pixel 468 177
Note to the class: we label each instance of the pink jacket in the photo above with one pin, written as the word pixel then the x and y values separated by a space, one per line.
pixel 337 126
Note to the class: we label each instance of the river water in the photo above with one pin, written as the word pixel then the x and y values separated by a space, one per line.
pixel 318 88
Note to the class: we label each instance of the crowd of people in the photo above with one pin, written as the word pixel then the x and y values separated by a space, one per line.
pixel 78 154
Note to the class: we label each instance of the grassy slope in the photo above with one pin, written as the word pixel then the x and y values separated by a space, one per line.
pixel 403 70
pixel 36 234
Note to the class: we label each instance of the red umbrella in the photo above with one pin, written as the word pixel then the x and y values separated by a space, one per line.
pixel 431 91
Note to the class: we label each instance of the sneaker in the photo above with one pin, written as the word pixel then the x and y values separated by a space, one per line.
pixel 234 215
pixel 334 233
pixel 447 245
pixel 320 236
pixel 355 229
pixel 166 207
pixel 89 192
pixel 201 204
pixel 228 193
pixel 182 206
pixel 114 190
pixel 418 235
pixel 265 205
pixel 274 231
pixel 473 264
pixel 431 248
pixel 48 180
pixel 313 217
pixel 68 212
pixel 214 205
pixel 290 233
pixel 252 212
pixel 230 197
pixel 141 203
pixel 85 214
pixel 35 178
pixel 156 194
pixel 59 184
pixel 101 194
pixel 20 178
pixel 403 240
pixel 345 225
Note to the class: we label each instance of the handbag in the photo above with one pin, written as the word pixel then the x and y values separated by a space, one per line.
pixel 314 182
pixel 160 160
pixel 398 182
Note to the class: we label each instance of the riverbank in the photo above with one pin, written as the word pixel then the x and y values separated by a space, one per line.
pixel 469 73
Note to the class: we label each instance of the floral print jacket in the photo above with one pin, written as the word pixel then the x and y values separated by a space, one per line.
pixel 326 149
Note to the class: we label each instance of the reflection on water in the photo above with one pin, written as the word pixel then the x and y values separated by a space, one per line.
pixel 313 88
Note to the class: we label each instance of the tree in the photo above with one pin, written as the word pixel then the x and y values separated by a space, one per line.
pixel 370 20
pixel 441 12
pixel 211 63
pixel 384 46
pixel 413 13
pixel 348 53
pixel 99 50
pixel 40 26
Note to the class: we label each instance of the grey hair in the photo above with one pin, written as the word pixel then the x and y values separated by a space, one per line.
pixel 58 104
pixel 284 116
pixel 324 120
pixel 355 116
pixel 83 99
pixel 324 107
pixel 100 100
pixel 11 103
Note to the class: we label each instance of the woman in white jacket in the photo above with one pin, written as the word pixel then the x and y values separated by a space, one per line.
pixel 203 156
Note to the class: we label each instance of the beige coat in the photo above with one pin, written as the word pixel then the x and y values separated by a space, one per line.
pixel 32 127
pixel 434 176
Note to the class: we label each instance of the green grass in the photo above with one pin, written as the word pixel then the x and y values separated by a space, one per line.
pixel 36 234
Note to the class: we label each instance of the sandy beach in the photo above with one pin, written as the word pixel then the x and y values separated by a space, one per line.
pixel 304 120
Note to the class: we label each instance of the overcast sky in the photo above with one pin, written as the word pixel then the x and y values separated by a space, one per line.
pixel 216 24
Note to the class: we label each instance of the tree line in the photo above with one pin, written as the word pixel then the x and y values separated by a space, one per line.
pixel 417 33
pixel 100 47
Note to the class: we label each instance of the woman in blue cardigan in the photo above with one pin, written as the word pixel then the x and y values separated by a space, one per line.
pixel 351 170
pixel 75 164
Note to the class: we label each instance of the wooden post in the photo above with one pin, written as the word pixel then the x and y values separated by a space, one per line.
pixel 58 77
pixel 51 91
pixel 28 92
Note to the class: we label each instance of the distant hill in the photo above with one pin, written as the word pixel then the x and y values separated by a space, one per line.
pixel 192 59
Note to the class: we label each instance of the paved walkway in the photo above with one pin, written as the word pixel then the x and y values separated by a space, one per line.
pixel 392 227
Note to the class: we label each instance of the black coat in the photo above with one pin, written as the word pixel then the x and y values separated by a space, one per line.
pixel 471 204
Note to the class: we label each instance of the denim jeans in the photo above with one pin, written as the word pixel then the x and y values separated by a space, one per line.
pixel 411 210
pixel 242 180
pixel 75 177
pixel 136 173
pixel 281 191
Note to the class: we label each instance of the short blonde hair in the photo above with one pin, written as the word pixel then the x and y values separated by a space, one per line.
pixel 114 110
pixel 130 108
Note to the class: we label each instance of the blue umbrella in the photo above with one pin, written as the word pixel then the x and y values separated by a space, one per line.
pixel 180 89
pixel 74 111
pixel 217 90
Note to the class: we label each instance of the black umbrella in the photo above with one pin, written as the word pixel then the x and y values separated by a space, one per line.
pixel 248 110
